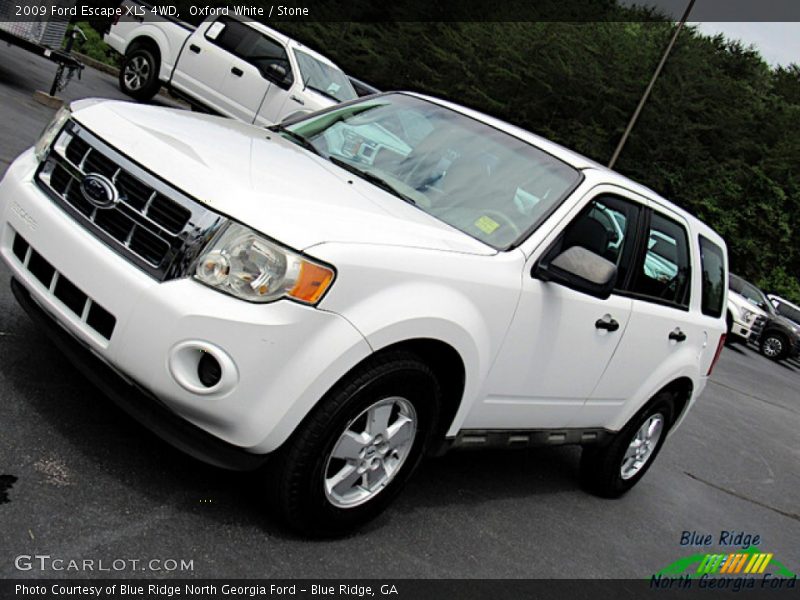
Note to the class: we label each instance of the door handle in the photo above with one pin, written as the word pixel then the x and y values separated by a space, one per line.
pixel 677 335
pixel 195 49
pixel 236 71
pixel 607 323
pixel 298 100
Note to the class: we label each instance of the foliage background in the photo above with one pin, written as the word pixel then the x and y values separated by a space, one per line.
pixel 718 137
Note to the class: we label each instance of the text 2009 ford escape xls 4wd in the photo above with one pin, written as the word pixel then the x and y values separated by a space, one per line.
pixel 357 288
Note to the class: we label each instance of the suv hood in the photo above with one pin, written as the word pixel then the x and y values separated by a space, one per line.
pixel 265 181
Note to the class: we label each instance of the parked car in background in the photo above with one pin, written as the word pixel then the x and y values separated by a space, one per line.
pixel 781 336
pixel 776 336
pixel 228 65
pixel 352 290
pixel 746 312
pixel 785 308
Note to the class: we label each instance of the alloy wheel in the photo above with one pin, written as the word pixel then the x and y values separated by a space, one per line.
pixel 642 446
pixel 370 452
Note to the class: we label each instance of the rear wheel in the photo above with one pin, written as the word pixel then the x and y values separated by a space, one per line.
pixel 354 453
pixel 774 346
pixel 611 470
pixel 138 76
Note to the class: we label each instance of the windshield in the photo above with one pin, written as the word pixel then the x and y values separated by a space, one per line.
pixel 751 293
pixel 486 183
pixel 324 78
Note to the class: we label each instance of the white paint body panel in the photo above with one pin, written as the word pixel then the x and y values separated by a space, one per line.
pixel 533 358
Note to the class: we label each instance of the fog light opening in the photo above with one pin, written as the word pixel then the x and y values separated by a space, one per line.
pixel 209 371
pixel 202 368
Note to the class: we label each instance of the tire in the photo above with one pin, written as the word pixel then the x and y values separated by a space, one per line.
pixel 138 74
pixel 602 466
pixel 774 346
pixel 308 465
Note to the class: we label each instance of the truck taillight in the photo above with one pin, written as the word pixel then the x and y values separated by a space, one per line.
pixel 718 353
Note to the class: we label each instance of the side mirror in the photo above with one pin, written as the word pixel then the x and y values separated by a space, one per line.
pixel 581 270
pixel 275 72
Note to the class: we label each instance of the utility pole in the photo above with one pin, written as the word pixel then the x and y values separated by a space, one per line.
pixel 650 85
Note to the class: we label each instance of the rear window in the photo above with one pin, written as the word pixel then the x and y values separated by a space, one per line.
pixel 713 265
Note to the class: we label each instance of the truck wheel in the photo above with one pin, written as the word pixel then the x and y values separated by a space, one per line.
pixel 138 75
pixel 611 470
pixel 356 450
pixel 774 346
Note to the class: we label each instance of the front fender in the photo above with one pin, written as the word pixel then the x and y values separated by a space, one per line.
pixel 392 295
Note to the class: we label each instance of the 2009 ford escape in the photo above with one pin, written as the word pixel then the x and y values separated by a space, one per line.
pixel 351 290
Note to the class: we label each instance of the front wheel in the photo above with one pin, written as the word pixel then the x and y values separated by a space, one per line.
pixel 774 346
pixel 356 450
pixel 611 470
pixel 138 76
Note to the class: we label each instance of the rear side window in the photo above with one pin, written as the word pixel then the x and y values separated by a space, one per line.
pixel 665 273
pixel 713 264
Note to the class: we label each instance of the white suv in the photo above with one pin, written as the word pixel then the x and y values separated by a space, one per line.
pixel 352 290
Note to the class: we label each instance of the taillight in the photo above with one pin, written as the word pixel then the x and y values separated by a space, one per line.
pixel 718 353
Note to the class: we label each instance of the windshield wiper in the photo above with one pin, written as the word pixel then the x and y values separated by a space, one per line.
pixel 373 179
pixel 300 139
pixel 323 92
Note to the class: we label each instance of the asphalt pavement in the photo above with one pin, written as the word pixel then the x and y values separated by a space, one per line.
pixel 83 481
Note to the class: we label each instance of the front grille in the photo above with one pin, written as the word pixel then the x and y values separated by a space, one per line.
pixel 58 286
pixel 156 227
pixel 758 326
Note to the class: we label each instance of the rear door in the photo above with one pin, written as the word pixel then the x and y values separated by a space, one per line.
pixel 664 338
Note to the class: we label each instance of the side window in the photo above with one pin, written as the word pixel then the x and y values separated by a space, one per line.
pixel 250 45
pixel 713 264
pixel 230 35
pixel 607 227
pixel 263 52
pixel 665 272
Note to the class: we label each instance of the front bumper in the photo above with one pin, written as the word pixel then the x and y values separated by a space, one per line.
pixel 286 355
pixel 134 400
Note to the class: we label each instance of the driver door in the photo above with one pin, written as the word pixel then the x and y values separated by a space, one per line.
pixel 255 92
pixel 561 341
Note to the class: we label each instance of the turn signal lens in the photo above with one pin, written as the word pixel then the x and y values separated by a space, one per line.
pixel 312 282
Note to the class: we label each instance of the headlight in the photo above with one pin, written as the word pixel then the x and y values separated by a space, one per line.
pixel 51 131
pixel 747 315
pixel 244 264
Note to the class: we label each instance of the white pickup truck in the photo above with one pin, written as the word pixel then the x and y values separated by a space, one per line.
pixel 228 65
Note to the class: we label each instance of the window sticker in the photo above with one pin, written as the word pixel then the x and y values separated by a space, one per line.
pixel 487 225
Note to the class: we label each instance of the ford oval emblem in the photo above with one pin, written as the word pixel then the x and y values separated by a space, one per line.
pixel 99 190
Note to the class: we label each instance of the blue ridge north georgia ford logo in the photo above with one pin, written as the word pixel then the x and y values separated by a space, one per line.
pixel 99 190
